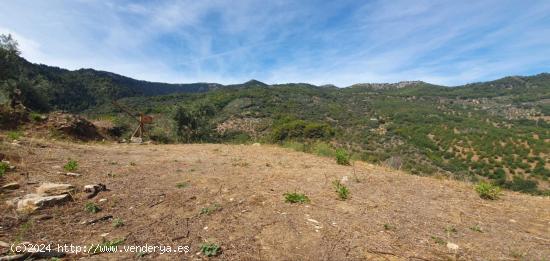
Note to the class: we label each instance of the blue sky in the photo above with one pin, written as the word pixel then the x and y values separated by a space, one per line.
pixel 320 42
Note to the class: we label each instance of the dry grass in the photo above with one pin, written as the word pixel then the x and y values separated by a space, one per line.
pixel 253 221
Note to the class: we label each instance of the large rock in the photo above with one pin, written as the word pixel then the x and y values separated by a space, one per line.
pixel 53 189
pixel 32 202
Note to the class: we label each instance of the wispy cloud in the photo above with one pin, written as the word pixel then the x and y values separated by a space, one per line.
pixel 340 42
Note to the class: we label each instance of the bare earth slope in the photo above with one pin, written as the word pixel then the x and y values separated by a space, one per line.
pixel 389 216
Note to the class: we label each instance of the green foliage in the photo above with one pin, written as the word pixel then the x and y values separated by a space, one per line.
pixel 91 207
pixel 286 129
pixel 4 167
pixel 323 149
pixel 521 184
pixel 14 135
pixel 487 190
pixel 341 189
pixel 342 157
pixel 295 197
pixel 182 185
pixel 210 249
pixel 476 228
pixel 388 227
pixel 71 165
pixel 192 124
pixel 118 222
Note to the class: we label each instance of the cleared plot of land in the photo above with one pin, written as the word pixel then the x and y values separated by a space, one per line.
pixel 232 195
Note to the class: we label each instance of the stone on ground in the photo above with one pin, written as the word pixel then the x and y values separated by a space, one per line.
pixel 53 189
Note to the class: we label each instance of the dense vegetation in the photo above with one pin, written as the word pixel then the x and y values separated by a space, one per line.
pixel 495 131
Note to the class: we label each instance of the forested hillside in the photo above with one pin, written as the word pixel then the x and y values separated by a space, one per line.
pixel 496 130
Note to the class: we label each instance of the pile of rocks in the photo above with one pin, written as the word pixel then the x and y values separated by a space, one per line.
pixel 47 194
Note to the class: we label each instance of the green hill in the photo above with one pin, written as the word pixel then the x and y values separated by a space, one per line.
pixel 496 130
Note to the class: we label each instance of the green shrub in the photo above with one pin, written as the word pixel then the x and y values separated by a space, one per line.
pixel 71 165
pixel 14 135
pixel 487 190
pixel 36 117
pixel 118 222
pixel 342 157
pixel 300 129
pixel 323 149
pixel 182 185
pixel 92 208
pixel 523 185
pixel 341 189
pixel 210 249
pixel 296 198
pixel 3 168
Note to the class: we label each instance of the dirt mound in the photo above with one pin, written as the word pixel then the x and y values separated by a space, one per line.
pixel 74 126
pixel 232 196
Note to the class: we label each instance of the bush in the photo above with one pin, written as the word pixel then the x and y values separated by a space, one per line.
pixel 300 129
pixel 295 198
pixel 210 249
pixel 341 189
pixel 3 168
pixel 523 185
pixel 342 157
pixel 487 190
pixel 92 208
pixel 14 135
pixel 118 222
pixel 71 165
pixel 323 149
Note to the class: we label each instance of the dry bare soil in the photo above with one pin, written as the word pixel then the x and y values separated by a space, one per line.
pixel 239 190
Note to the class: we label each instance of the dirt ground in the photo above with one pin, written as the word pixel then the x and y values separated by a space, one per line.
pixel 389 216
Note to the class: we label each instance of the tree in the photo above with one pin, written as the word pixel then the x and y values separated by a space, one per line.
pixel 192 124
pixel 7 43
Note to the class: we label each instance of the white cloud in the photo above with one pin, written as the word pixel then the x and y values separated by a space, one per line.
pixel 445 42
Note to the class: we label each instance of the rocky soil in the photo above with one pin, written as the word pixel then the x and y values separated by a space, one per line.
pixel 232 196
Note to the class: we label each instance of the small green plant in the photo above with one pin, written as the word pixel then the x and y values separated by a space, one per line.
pixel 487 190
pixel 296 198
pixel 341 189
pixel 36 117
pixel 210 249
pixel 92 208
pixel 23 229
pixel 388 227
pixel 132 163
pixel 4 167
pixel 450 229
pixel 182 185
pixel 211 209
pixel 118 222
pixel 71 165
pixel 14 135
pixel 438 240
pixel 342 157
pixel 476 228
